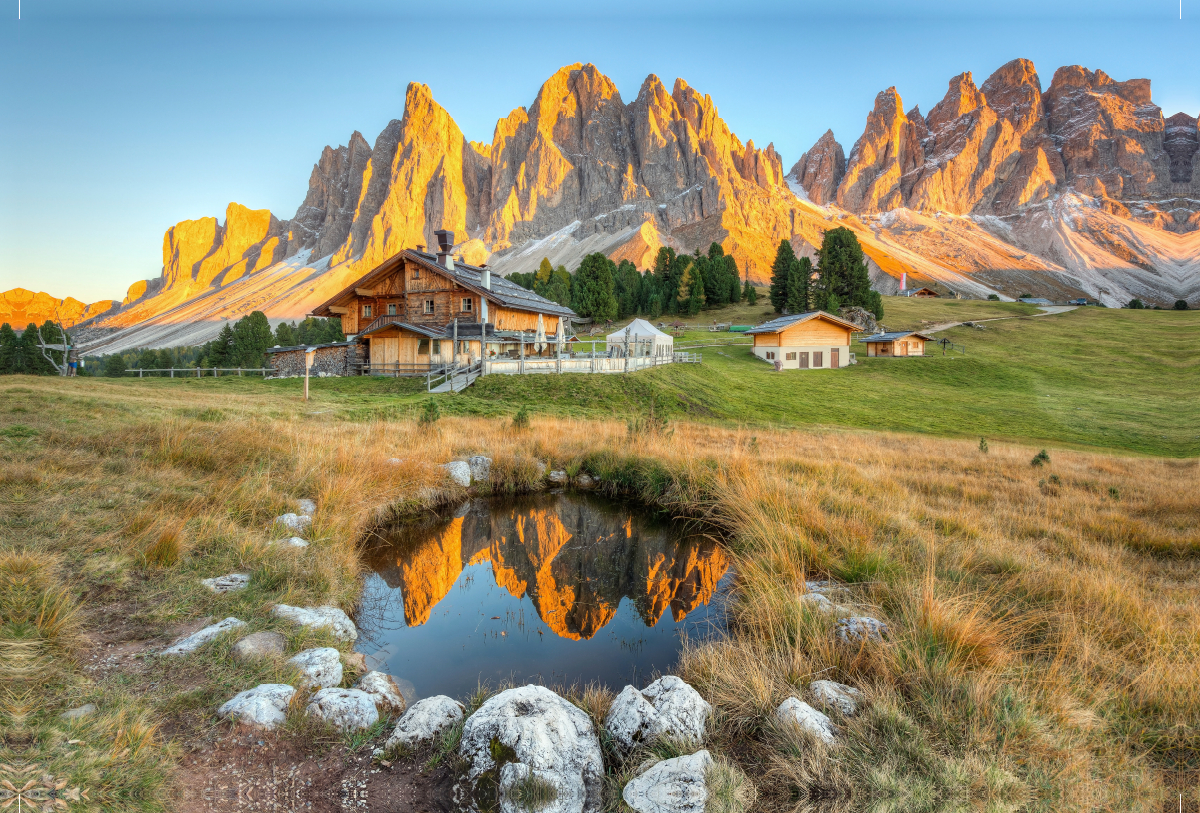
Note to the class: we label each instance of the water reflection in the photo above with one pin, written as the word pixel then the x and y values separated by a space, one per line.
pixel 559 587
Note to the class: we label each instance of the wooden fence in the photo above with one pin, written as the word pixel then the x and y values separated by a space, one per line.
pixel 200 372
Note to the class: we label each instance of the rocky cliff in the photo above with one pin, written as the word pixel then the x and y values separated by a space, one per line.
pixel 20 307
pixel 1083 189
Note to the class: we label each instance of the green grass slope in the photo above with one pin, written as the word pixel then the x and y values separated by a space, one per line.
pixel 1091 377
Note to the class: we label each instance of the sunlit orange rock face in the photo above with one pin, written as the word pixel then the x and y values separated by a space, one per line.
pixel 575 564
pixel 19 308
pixel 581 170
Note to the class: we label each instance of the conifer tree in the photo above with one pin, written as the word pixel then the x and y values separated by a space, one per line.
pixel 593 290
pixel 784 257
pixel 251 338
pixel 752 294
pixel 843 276
pixel 628 285
pixel 10 349
pixel 285 334
pixel 114 365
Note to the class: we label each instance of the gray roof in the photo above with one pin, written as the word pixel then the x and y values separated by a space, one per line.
pixel 893 336
pixel 507 293
pixel 308 346
pixel 782 322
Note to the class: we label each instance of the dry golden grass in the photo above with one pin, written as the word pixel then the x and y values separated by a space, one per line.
pixel 1043 645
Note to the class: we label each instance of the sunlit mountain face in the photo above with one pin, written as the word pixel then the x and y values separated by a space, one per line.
pixel 586 583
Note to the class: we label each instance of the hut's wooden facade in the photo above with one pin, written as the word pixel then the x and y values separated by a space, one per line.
pixel 805 341
pixel 417 310
pixel 897 345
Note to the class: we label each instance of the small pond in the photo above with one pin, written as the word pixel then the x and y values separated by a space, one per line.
pixel 555 588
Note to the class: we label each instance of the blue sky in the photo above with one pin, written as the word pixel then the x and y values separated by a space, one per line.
pixel 119 119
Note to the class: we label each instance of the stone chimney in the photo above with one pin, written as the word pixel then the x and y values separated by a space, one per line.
pixel 486 278
pixel 445 240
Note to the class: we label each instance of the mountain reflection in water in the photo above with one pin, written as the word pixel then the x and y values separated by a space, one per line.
pixel 581 565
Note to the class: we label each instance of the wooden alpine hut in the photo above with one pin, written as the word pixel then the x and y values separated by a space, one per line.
pixel 805 341
pixel 898 344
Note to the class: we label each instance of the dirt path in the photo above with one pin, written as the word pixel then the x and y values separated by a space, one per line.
pixel 1046 310
pixel 254 771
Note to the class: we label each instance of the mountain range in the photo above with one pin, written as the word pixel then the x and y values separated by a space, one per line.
pixel 1081 189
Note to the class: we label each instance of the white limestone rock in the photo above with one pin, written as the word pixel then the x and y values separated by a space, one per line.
pixel 671 786
pixel 296 523
pixel 307 508
pixel 481 468
pixel 860 628
pixel 667 707
pixel 823 586
pixel 289 542
pixel 558 477
pixel 227 583
pixel 330 618
pixel 78 713
pixel 547 737
pixel 264 706
pixel 319 668
pixel 795 712
pixel 347 709
pixel 194 641
pixel 425 721
pixel 388 696
pixel 585 481
pixel 818 602
pixel 459 471
pixel 829 693
pixel 258 645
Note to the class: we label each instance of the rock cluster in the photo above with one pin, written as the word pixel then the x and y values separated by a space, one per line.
pixel 531 731
pixel 264 706
pixel 425 721
pixel 677 785
pixel 667 707
pixel 383 691
pixel 319 668
pixel 795 712
pixel 227 583
pixel 347 709
pixel 330 618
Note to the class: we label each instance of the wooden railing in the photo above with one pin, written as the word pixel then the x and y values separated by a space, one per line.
pixel 198 372
pixel 395 369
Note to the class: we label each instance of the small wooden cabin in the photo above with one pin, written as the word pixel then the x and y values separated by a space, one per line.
pixel 417 311
pixel 805 341
pixel 922 293
pixel 897 344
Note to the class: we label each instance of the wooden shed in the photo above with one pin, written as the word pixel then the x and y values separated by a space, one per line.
pixel 899 344
pixel 805 341
pixel 922 293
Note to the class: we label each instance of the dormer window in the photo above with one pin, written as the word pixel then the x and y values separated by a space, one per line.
pixel 366 311
pixel 466 304
pixel 428 306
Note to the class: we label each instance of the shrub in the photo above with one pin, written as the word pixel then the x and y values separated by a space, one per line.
pixel 430 414
pixel 114 366
pixel 993 298
pixel 1114 493
pixel 1181 304
pixel 652 423
pixel 1137 305
pixel 983 447
pixel 521 419
pixel 1040 459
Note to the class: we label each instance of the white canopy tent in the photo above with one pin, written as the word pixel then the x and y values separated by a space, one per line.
pixel 642 338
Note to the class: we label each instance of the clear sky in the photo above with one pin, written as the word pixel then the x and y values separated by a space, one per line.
pixel 120 118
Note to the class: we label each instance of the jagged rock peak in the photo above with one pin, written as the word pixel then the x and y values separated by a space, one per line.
pixel 1135 91
pixel 820 169
pixel 962 97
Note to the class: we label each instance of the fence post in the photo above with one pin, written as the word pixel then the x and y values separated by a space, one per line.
pixel 140 373
pixel 172 372
pixel 239 372
pixel 593 357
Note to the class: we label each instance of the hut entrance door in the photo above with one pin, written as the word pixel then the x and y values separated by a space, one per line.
pixel 833 358
pixel 904 348
pixel 388 351
pixel 804 361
